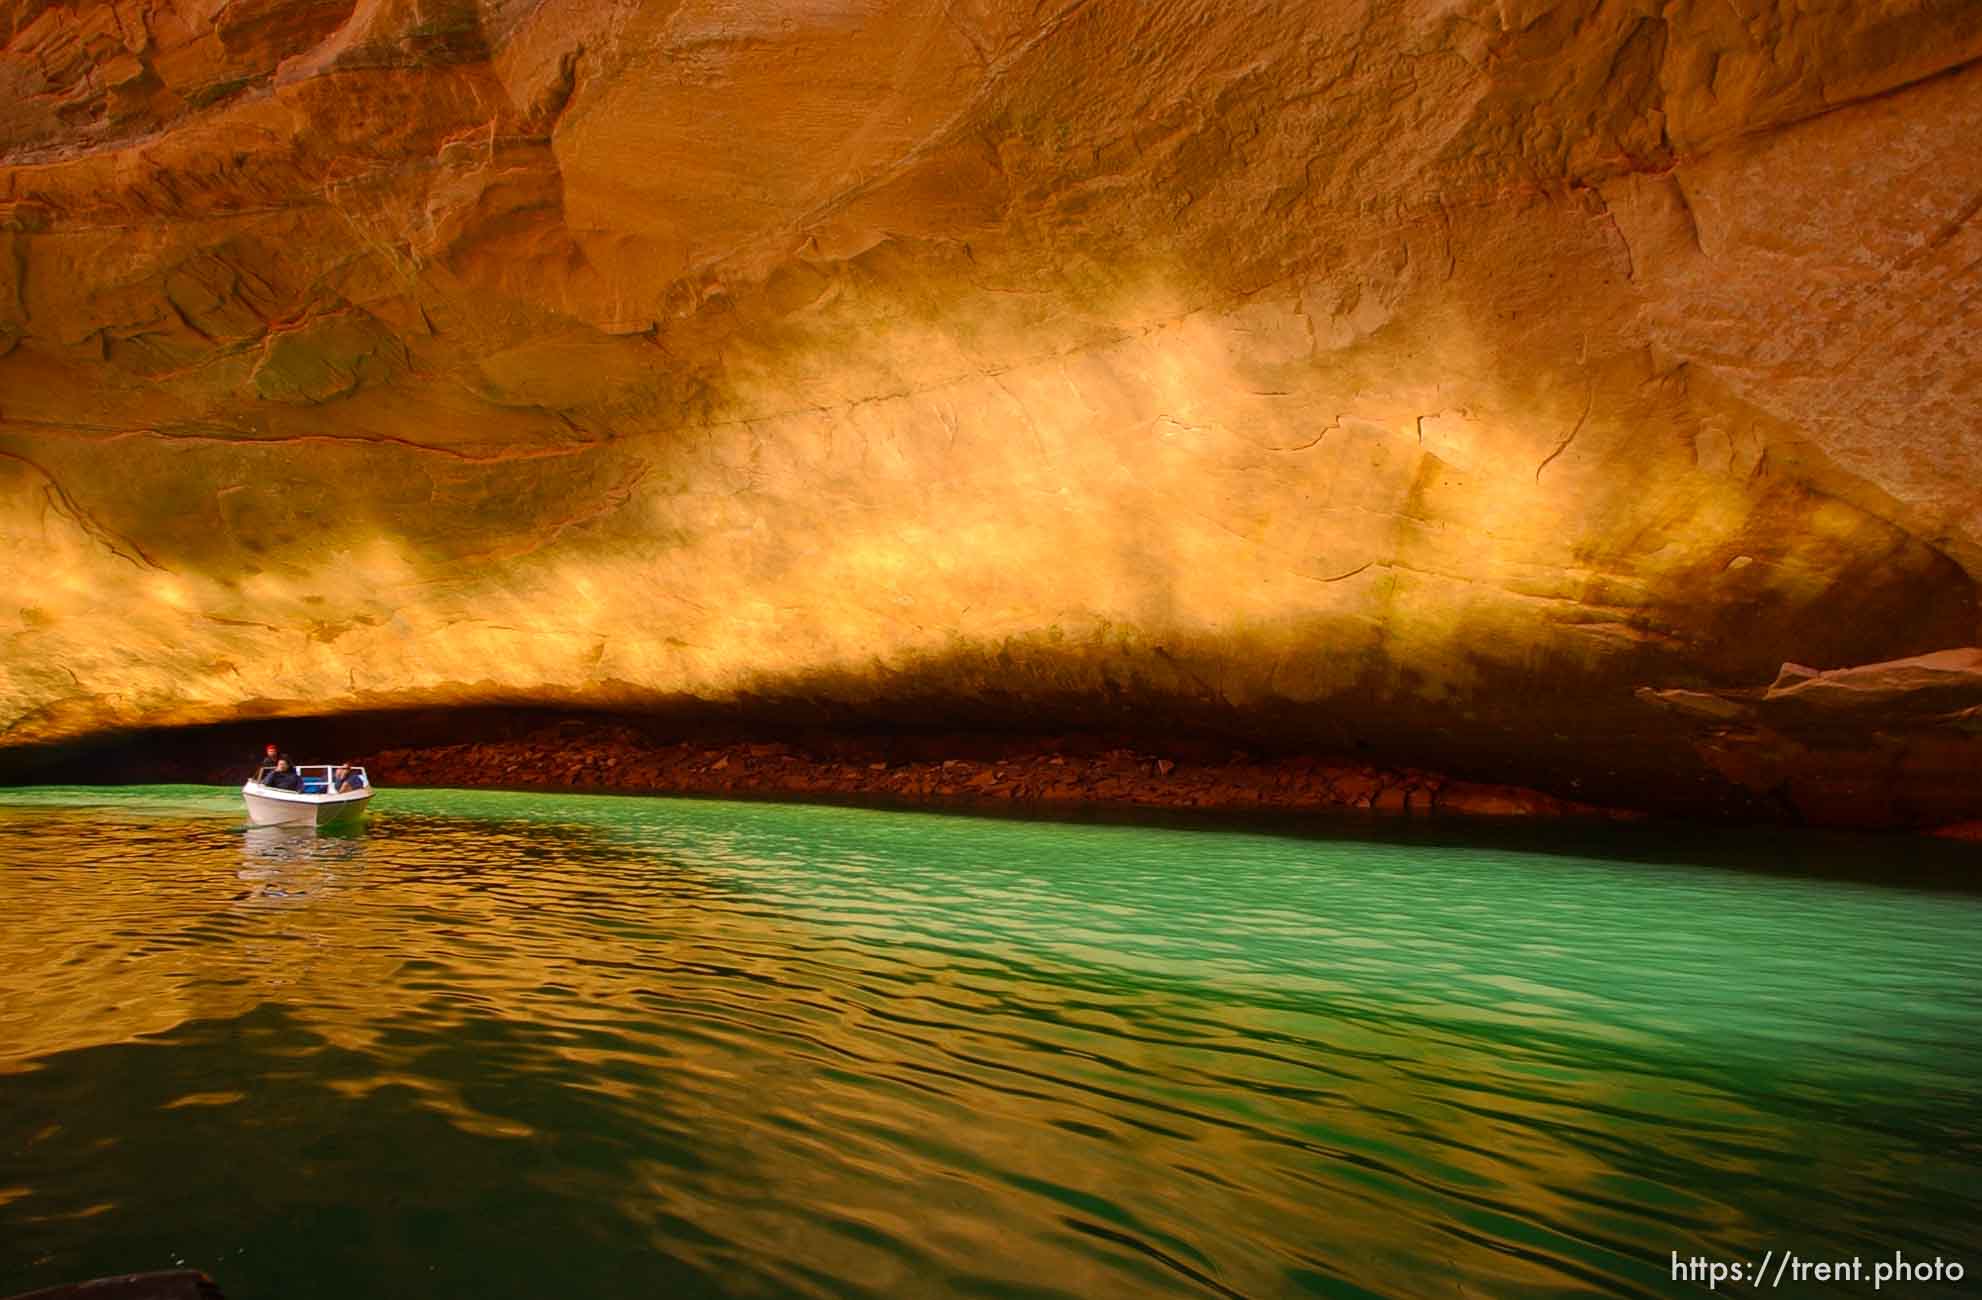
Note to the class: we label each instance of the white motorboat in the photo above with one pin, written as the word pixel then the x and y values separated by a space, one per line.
pixel 316 803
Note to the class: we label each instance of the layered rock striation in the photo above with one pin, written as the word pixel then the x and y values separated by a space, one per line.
pixel 1447 381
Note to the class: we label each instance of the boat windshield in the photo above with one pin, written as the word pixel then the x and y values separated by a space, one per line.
pixel 321 778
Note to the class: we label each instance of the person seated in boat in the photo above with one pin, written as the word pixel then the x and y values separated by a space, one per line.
pixel 283 777
pixel 267 761
pixel 344 780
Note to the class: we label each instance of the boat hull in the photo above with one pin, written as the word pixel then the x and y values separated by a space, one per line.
pixel 268 807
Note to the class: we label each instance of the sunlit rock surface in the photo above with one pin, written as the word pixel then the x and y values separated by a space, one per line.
pixel 1448 378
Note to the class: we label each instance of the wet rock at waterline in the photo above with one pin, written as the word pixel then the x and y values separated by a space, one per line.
pixel 1455 386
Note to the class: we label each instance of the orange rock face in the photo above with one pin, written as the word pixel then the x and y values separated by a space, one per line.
pixel 1467 380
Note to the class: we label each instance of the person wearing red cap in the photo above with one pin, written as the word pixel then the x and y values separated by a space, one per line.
pixel 267 760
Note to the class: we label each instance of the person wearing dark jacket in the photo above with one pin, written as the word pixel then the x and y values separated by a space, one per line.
pixel 266 761
pixel 283 777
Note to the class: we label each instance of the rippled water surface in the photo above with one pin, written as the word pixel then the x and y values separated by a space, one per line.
pixel 507 1045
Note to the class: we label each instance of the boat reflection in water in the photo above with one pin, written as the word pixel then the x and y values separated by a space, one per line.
pixel 294 862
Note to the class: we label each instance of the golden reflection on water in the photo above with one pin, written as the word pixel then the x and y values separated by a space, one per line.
pixel 812 1050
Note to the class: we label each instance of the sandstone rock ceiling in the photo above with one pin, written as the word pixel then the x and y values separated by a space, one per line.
pixel 1464 371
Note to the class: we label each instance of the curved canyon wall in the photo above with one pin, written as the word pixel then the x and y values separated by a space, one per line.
pixel 1512 385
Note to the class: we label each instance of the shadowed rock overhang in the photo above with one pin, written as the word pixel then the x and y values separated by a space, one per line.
pixel 1515 387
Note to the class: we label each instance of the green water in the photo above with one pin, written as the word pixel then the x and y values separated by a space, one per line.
pixel 502 1045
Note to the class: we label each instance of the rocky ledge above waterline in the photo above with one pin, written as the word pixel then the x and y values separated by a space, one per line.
pixel 1040 775
pixel 1898 742
pixel 1449 386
